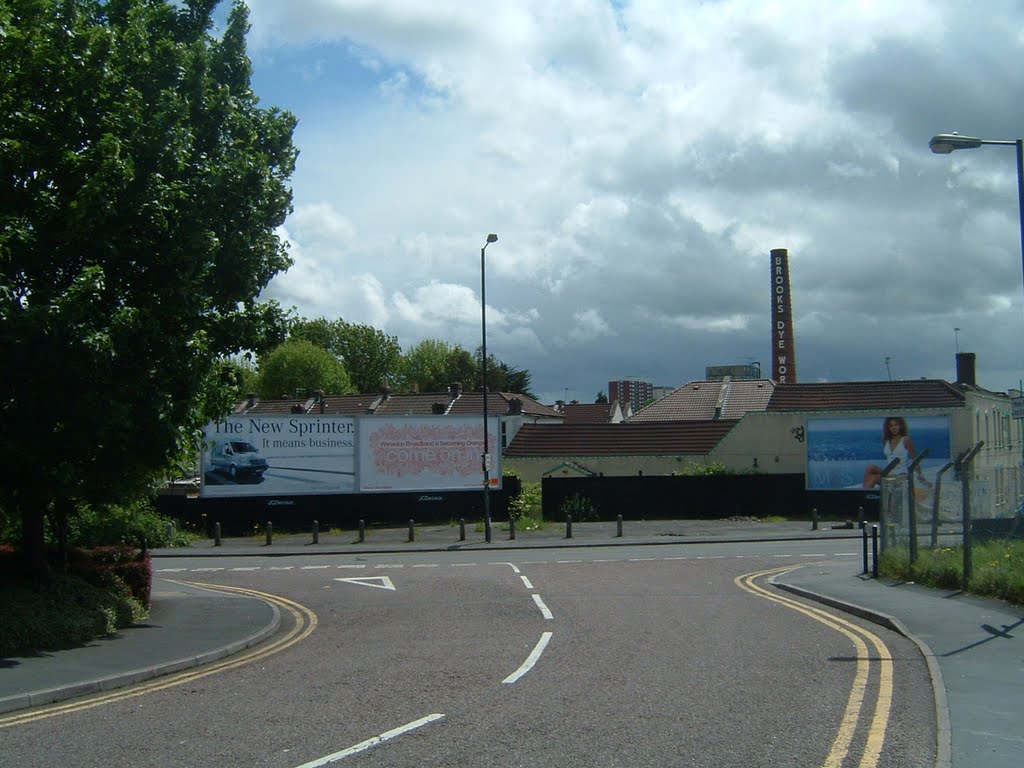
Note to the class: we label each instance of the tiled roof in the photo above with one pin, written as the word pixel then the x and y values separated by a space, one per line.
pixel 708 400
pixel 866 395
pixel 403 404
pixel 666 438
pixel 587 413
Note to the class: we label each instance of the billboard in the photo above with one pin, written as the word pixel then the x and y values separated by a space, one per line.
pixel 426 454
pixel 278 456
pixel 305 454
pixel 848 453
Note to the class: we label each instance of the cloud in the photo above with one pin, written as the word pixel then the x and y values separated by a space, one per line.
pixel 638 162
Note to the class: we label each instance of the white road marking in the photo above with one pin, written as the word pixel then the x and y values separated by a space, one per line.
pixel 425 565
pixel 526 581
pixel 392 565
pixel 280 567
pixel 350 566
pixel 530 660
pixel 364 745
pixel 205 570
pixel 545 611
pixel 368 581
pixel 169 570
pixel 247 568
pixel 314 567
pixel 462 565
pixel 510 565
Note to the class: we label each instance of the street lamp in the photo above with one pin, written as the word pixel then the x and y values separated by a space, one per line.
pixel 485 456
pixel 944 143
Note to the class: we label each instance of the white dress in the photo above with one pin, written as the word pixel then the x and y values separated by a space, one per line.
pixel 899 452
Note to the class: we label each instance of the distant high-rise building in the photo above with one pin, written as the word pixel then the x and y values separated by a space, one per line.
pixel 632 391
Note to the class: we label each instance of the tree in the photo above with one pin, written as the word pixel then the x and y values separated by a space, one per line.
pixel 601 397
pixel 434 365
pixel 371 357
pixel 299 367
pixel 141 186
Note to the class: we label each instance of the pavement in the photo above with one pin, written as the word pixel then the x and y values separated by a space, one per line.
pixel 974 647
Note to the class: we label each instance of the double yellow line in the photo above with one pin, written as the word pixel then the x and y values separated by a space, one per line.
pixel 303 623
pixel 855 702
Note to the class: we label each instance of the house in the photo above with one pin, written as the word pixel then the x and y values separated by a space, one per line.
pixel 594 413
pixel 767 428
pixel 514 410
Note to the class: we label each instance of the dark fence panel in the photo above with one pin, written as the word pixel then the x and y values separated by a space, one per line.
pixel 242 515
pixel 705 497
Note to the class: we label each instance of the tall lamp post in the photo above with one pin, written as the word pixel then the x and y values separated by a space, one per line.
pixel 485 457
pixel 944 143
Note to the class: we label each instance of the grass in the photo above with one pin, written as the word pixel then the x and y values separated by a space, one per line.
pixel 997 569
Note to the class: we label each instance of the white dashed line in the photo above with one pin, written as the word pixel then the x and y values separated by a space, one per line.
pixel 364 745
pixel 314 567
pixel 530 660
pixel 526 581
pixel 350 566
pixel 545 611
pixel 248 568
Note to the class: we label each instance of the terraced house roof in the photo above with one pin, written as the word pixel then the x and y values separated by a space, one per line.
pixel 866 395
pixel 708 400
pixel 663 438
pixel 455 403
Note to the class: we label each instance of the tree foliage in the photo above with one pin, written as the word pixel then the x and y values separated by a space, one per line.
pixel 299 367
pixel 371 357
pixel 140 189
pixel 434 365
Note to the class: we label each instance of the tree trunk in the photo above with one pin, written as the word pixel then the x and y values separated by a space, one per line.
pixel 33 539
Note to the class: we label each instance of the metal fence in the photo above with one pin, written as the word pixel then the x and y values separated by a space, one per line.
pixel 964 503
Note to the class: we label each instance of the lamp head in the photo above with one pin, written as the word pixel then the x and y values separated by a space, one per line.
pixel 492 238
pixel 944 143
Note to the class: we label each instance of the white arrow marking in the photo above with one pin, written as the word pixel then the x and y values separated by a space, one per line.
pixel 368 581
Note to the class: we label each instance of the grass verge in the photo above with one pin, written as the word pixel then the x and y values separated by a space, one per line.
pixel 997 569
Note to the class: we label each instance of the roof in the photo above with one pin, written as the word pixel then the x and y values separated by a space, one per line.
pixel 588 413
pixel 866 395
pixel 709 400
pixel 665 438
pixel 454 403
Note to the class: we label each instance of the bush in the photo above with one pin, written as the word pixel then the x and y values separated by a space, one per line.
pixel 62 610
pixel 580 507
pixel 134 524
pixel 525 508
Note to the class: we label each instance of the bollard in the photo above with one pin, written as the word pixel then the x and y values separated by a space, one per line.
pixel 874 550
pixel 462 529
pixel 216 534
pixel 568 526
pixel 860 517
pixel 270 533
pixel 618 527
pixel 511 528
pixel 316 531
pixel 412 531
pixel 487 529
pixel 362 531
pixel 814 519
pixel 864 540
pixel 170 532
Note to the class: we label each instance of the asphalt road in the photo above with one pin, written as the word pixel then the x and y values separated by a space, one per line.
pixel 671 656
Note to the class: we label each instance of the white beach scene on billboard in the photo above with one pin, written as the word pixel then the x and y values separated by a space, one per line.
pixel 278 455
pixel 425 454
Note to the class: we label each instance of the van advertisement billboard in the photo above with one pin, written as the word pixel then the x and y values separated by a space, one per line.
pixel 278 456
pixel 301 455
pixel 426 454
pixel 850 453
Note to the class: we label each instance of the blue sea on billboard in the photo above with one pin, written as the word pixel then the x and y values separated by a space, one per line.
pixel 839 450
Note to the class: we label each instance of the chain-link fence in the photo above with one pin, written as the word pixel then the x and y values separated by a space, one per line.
pixel 963 503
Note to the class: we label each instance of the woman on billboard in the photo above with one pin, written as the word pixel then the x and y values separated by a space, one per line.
pixel 896 444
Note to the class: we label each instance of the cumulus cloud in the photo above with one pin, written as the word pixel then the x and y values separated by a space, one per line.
pixel 640 161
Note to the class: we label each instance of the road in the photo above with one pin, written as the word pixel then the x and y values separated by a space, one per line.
pixel 621 656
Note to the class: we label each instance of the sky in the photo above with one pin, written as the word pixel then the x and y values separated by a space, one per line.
pixel 638 162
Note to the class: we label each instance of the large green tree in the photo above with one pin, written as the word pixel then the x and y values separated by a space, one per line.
pixel 434 365
pixel 141 185
pixel 371 357
pixel 298 368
